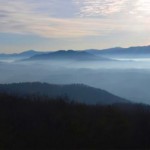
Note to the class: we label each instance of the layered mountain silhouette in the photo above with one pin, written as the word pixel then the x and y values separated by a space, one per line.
pixel 25 54
pixel 90 54
pixel 139 51
pixel 68 55
pixel 77 92
pixel 86 55
pixel 29 53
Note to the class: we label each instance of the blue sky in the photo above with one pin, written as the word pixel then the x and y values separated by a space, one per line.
pixel 73 24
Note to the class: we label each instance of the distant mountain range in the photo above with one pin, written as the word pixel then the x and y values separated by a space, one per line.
pixel 140 51
pixel 86 55
pixel 25 54
pixel 68 55
pixel 78 92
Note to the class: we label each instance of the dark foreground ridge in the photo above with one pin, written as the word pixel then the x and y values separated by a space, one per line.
pixel 38 122
pixel 78 92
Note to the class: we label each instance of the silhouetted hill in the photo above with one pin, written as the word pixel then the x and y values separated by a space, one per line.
pixel 89 54
pixel 68 55
pixel 25 54
pixel 114 50
pixel 41 123
pixel 139 51
pixel 78 92
pixel 29 53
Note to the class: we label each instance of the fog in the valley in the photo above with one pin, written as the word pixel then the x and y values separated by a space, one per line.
pixel 129 79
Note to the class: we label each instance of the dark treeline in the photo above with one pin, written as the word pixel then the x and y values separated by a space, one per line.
pixel 78 92
pixel 34 122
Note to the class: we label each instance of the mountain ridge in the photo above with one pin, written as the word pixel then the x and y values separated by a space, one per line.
pixel 87 54
pixel 68 55
pixel 137 51
pixel 24 54
pixel 78 92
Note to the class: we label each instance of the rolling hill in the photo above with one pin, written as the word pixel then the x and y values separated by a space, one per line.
pixel 22 55
pixel 78 92
pixel 86 55
pixel 139 51
pixel 68 55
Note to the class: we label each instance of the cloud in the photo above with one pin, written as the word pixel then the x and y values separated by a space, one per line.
pixel 141 9
pixel 99 7
pixel 23 18
pixel 143 6
pixel 30 17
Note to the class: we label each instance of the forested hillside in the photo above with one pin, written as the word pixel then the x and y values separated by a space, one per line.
pixel 78 92
pixel 36 122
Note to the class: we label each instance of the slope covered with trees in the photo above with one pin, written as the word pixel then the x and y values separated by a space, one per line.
pixel 37 122
pixel 78 92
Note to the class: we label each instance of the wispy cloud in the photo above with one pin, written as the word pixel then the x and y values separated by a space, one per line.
pixel 22 18
pixel 30 17
pixel 99 7
pixel 141 8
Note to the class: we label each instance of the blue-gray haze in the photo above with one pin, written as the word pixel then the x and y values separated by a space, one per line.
pixel 129 79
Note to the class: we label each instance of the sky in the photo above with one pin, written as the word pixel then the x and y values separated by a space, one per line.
pixel 73 24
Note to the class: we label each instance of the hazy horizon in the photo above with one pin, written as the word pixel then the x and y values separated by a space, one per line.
pixel 52 25
pixel 72 24
pixel 54 50
pixel 74 74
